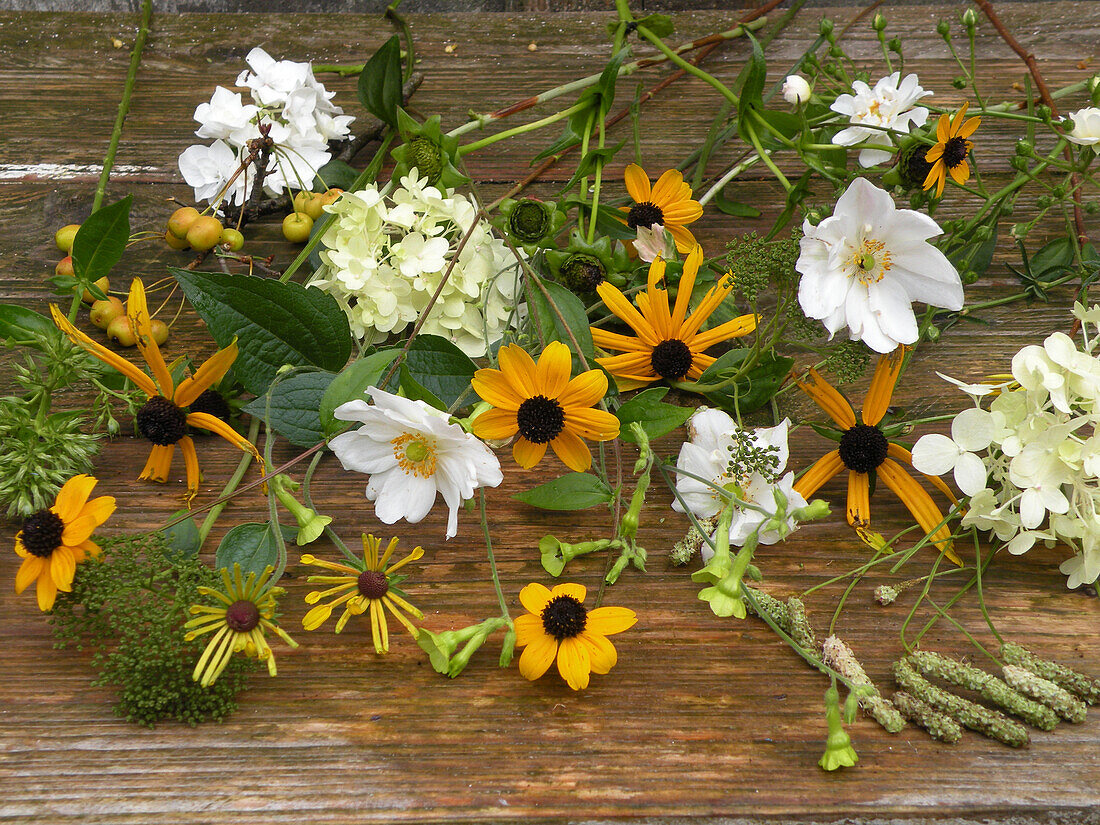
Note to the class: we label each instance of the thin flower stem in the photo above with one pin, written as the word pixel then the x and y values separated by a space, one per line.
pixel 978 583
pixel 690 68
pixel 504 614
pixel 754 139
pixel 230 486
pixel 465 149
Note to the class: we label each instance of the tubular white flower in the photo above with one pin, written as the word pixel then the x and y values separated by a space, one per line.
pixel 865 265
pixel 411 453
pixel 888 106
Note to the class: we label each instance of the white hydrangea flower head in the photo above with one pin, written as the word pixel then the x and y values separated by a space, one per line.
pixel 412 453
pixel 864 266
pixel 887 106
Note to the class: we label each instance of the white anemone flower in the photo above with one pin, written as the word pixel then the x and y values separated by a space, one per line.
pixel 721 452
pixel 412 452
pixel 653 242
pixel 796 90
pixel 935 454
pixel 887 106
pixel 865 265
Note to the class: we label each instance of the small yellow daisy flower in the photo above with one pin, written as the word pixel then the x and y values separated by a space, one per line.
pixel 952 148
pixel 668 203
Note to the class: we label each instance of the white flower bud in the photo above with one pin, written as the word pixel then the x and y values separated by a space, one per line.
pixel 796 90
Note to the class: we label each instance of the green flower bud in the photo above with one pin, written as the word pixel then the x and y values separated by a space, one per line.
pixel 932 333
pixel 968 277
pixel 970 20
pixel 826 27
pixel 1018 163
pixel 1024 149
pixel 1092 207
pixel 839 752
pixel 426 157
pixel 311 525
pixel 943 29
pixel 556 554
pixel 582 272
pixel 959 82
pixel 894 45
pixel 879 22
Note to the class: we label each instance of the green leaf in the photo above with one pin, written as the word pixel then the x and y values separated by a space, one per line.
pixel 25 326
pixel 655 417
pixel 101 240
pixel 576 319
pixel 573 491
pixel 587 163
pixel 412 390
pixel 336 174
pixel 735 208
pixel 274 323
pixel 752 90
pixel 182 539
pixel 351 385
pixel 252 546
pixel 754 389
pixel 380 82
pixel 1052 259
pixel 440 368
pixel 294 407
pixel 660 24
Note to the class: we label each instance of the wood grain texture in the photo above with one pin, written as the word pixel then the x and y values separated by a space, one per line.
pixel 701 718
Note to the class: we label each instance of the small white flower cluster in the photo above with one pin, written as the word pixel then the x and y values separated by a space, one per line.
pixel 385 257
pixel 1031 462
pixel 721 452
pixel 287 98
pixel 871 112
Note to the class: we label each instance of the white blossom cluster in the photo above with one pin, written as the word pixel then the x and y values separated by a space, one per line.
pixel 385 256
pixel 1031 462
pixel 302 119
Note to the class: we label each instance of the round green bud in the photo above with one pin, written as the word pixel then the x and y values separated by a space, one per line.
pixel 1058 191
pixel 530 220
pixel 959 82
pixel 826 27
pixel 1092 207
pixel 943 29
pixel 970 19
pixel 581 272
pixel 879 22
pixel 1024 149
pixel 983 233
pixel 1018 163
pixel 894 45
pixel 1044 201
pixel 426 157
pixel 969 277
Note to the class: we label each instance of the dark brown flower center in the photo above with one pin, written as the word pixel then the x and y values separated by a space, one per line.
pixel 671 359
pixel 42 533
pixel 212 403
pixel 161 421
pixel 955 151
pixel 540 419
pixel 373 584
pixel 564 617
pixel 645 214
pixel 863 448
pixel 242 616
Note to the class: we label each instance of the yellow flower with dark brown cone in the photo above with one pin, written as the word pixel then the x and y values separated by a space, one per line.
pixel 864 450
pixel 668 203
pixel 557 626
pixel 667 343
pixel 952 148
pixel 55 540
pixel 369 587
pixel 543 406
pixel 162 419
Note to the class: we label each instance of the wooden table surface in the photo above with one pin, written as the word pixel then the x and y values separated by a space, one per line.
pixel 702 717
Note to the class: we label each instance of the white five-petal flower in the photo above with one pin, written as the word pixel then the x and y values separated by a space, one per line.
pixel 887 106
pixel 865 265
pixel 411 452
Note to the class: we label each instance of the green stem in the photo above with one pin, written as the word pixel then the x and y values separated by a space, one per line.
pixel 465 149
pixel 690 68
pixel 231 485
pixel 504 614
pixel 765 156
pixel 124 104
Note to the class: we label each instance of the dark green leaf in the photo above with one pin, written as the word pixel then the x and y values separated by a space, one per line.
pixel 380 82
pixel 274 323
pixel 294 407
pixel 351 385
pixel 576 319
pixel 752 90
pixel 440 368
pixel 336 174
pixel 1052 259
pixel 411 389
pixel 738 210
pixel 24 326
pixel 252 546
pixel 655 417
pixel 183 539
pixel 574 491
pixel 587 163
pixel 752 390
pixel 101 240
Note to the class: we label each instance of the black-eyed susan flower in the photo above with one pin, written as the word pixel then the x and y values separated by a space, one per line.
pixel 865 451
pixel 543 406
pixel 163 419
pixel 667 203
pixel 667 343
pixel 245 610
pixel 371 587
pixel 948 156
pixel 55 540
pixel 558 627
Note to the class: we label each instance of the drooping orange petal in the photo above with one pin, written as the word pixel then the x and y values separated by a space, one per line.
pixel 191 463
pixel 159 464
pixel 601 653
pixel 969 127
pixel 29 570
pixel 960 172
pixel 526 453
pixel 711 301
pixel 684 289
pixel 737 327
pixel 572 451
pixel 62 568
pixel 834 404
pixel 496 424
pixel 902 455
pixel 682 212
pixel 859 502
pixel 46 591
pixel 882 385
pixel 574 664
pixel 142 381
pixel 919 504
pixel 821 471
pixel 92 514
pixel 666 191
pixel 211 372
pixel 206 421
pixel 956 123
pixel 72 497
pixel 537 657
pixel 138 312
pixel 934 153
pixel 618 304
pixel 606 340
pixel 685 241
pixel 637 183
pixel 943 128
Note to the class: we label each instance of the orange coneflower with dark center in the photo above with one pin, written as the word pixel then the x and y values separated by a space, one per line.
pixel 865 452
pixel 163 420
pixel 951 150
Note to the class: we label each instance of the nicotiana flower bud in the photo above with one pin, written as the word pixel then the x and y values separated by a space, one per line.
pixel 839 752
pixel 796 90
pixel 556 553
pixel 441 647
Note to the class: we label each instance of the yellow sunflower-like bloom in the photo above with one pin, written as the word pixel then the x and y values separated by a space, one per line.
pixel 864 450
pixel 162 419
pixel 541 404
pixel 247 608
pixel 360 589
pixel 668 203
pixel 557 626
pixel 952 148
pixel 55 540
pixel 667 343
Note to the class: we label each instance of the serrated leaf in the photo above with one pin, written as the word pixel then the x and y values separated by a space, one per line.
pixel 274 323
pixel 351 385
pixel 183 539
pixel 440 367
pixel 24 326
pixel 652 414
pixel 252 546
pixel 294 407
pixel 573 491
pixel 101 240
pixel 380 82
